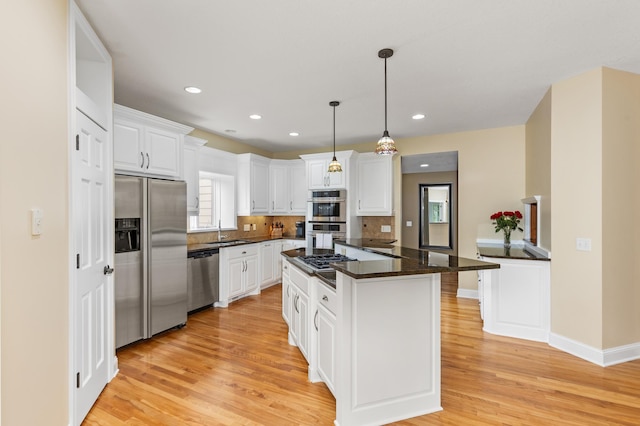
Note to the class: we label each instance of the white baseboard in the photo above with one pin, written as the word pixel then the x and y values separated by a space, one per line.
pixel 467 294
pixel 601 357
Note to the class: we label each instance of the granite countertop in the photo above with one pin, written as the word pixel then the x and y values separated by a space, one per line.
pixel 240 241
pixel 402 261
pixel 515 252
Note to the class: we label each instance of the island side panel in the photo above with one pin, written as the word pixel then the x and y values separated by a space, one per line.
pixel 388 348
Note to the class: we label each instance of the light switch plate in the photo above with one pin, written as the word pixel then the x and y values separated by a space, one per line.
pixel 385 228
pixel 409 224
pixel 247 227
pixel 36 221
pixel 583 244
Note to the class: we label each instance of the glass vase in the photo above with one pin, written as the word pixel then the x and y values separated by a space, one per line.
pixel 507 238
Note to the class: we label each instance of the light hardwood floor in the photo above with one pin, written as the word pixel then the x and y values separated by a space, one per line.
pixel 234 367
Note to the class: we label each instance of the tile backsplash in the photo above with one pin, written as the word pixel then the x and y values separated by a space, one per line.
pixel 371 228
pixel 263 228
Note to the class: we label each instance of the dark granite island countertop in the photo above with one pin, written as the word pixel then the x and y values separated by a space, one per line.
pixel 404 261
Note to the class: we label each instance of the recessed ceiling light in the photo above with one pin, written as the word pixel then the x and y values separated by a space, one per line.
pixel 418 116
pixel 230 131
pixel 294 134
pixel 193 89
pixel 255 116
pixel 424 165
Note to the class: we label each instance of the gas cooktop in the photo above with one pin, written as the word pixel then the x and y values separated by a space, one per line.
pixel 320 262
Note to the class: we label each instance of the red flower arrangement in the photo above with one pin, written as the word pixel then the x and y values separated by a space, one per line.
pixel 507 222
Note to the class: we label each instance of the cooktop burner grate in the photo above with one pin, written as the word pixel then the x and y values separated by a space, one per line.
pixel 321 261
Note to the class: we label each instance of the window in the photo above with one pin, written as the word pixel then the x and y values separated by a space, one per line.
pixel 217 203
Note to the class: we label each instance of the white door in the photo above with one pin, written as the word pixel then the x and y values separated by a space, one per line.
pixel 92 220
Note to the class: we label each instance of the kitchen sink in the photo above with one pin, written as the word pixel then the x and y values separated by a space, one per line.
pixel 217 244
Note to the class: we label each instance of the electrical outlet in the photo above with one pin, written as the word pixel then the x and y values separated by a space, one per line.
pixel 583 244
pixel 253 226
pixel 385 228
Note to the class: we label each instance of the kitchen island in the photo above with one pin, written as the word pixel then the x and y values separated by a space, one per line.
pixel 386 329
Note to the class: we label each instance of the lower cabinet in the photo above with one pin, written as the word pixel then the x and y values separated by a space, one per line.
pixel 515 299
pixel 300 321
pixel 309 308
pixel 238 272
pixel 325 325
pixel 270 263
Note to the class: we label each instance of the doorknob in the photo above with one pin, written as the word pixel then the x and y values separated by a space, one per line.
pixel 108 270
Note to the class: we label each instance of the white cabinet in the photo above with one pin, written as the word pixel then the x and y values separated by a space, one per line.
pixel 299 320
pixel 374 185
pixel 270 262
pixel 288 190
pixel 287 298
pixel 325 325
pixel 147 145
pixel 239 272
pixel 191 171
pixel 253 185
pixel 515 299
pixel 318 176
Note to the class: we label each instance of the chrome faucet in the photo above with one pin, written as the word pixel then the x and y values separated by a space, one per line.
pixel 220 236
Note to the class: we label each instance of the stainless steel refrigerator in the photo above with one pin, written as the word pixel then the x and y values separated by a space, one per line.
pixel 150 257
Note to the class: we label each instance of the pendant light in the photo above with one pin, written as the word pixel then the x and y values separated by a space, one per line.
pixel 386 145
pixel 334 165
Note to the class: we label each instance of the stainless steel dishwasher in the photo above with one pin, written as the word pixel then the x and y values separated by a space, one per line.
pixel 202 278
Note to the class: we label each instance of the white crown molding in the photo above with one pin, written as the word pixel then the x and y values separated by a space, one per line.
pixel 124 112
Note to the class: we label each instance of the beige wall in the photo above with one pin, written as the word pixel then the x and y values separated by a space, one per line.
pixel 490 178
pixel 620 199
pixel 595 296
pixel 538 165
pixel 33 173
pixel 576 186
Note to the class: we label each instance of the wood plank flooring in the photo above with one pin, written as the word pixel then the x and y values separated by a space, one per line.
pixel 234 367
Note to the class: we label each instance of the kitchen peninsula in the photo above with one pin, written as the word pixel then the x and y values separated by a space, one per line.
pixel 370 329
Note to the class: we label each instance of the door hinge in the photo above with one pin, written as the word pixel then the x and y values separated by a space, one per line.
pixel 77 142
pixel 78 261
pixel 78 380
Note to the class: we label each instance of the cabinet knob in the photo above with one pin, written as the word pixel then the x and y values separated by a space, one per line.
pixel 325 298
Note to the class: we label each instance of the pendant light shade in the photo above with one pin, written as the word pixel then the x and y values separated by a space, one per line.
pixel 386 145
pixel 334 165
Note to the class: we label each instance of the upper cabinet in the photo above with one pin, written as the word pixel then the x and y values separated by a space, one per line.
pixel 191 171
pixel 253 185
pixel 288 189
pixel 146 145
pixel 318 176
pixel 374 185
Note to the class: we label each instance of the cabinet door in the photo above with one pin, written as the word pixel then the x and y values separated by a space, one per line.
pixel 128 147
pixel 326 324
pixel 286 300
pixel 163 153
pixel 267 272
pixel 375 183
pixel 279 189
pixel 303 324
pixel 251 273
pixel 277 260
pixel 297 189
pixel 317 174
pixel 236 277
pixel 259 187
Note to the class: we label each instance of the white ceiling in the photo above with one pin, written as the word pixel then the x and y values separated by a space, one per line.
pixel 466 64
